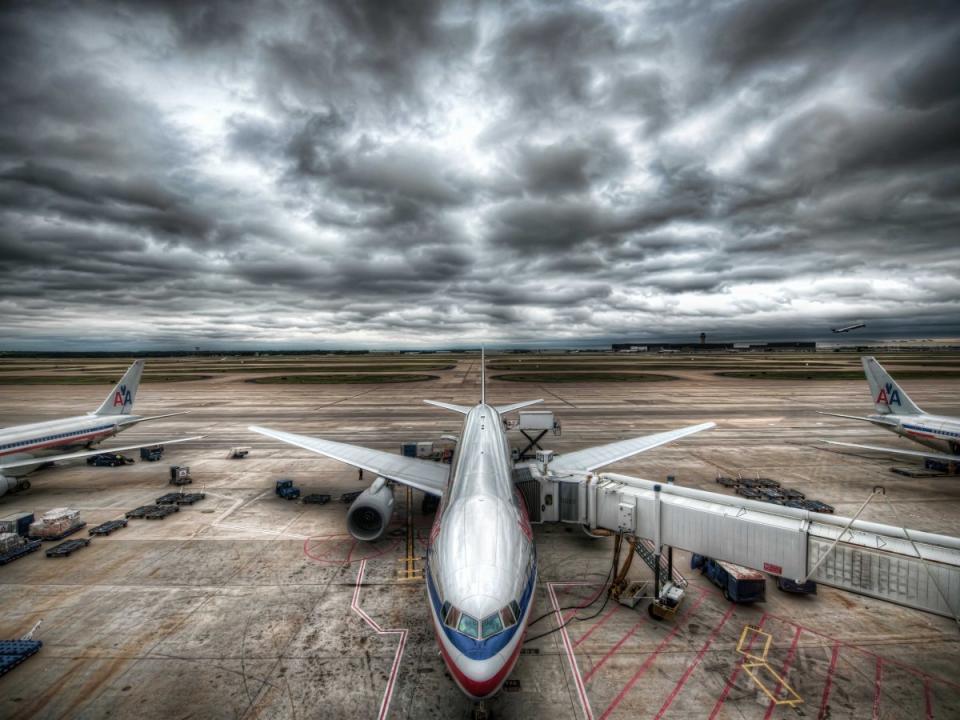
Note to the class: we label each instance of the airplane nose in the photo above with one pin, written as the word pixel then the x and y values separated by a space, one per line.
pixel 481 679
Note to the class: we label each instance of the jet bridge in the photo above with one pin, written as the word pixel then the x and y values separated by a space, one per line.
pixel 917 569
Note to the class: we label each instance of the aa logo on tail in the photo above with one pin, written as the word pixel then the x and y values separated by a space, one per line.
pixel 888 395
pixel 122 397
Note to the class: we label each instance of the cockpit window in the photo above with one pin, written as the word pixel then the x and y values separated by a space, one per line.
pixel 507 617
pixel 468 625
pixel 453 617
pixel 515 608
pixel 444 610
pixel 491 625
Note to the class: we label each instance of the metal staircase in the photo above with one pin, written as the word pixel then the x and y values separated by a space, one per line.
pixel 645 549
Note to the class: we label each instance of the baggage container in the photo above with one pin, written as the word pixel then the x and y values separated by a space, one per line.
pixel 409 449
pixel 18 522
pixel 739 584
pixel 424 449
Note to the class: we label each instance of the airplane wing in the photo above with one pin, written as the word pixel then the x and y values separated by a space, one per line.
pixel 503 409
pixel 897 451
pixel 426 475
pixel 596 457
pixel 152 417
pixel 876 421
pixel 43 460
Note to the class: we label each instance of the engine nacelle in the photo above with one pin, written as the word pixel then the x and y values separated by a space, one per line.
pixel 8 485
pixel 370 513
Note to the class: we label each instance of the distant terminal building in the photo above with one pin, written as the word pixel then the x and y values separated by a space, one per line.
pixel 788 346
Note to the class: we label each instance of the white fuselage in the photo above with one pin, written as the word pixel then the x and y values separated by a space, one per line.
pixel 935 431
pixel 54 437
pixel 481 563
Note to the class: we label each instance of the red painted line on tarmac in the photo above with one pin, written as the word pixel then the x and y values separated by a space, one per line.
pixel 571 658
pixel 402 632
pixel 878 681
pixel 606 617
pixel 783 671
pixel 611 651
pixel 653 656
pixel 736 671
pixel 693 665
pixel 826 688
pixel 927 699
pixel 886 661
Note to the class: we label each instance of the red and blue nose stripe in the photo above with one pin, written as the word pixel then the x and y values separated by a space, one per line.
pixel 485 668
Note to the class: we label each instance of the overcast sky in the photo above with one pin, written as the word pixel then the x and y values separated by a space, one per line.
pixel 385 174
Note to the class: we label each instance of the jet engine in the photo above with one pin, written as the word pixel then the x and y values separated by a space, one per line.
pixel 370 513
pixel 8 485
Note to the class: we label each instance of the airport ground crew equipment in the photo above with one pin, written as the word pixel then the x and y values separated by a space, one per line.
pixel 65 549
pixel 107 527
pixel 238 453
pixel 152 453
pixel 739 584
pixel 180 498
pixel 286 490
pixel 180 475
pixel 14 546
pixel 14 652
pixel 56 524
pixel 316 499
pixel 17 522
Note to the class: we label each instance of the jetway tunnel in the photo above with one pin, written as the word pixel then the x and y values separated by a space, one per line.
pixel 909 567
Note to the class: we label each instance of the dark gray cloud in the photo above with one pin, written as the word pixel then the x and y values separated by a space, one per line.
pixel 352 173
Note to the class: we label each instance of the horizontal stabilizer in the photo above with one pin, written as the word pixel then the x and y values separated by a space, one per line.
pixel 896 451
pixel 874 420
pixel 425 475
pixel 43 460
pixel 597 457
pixel 462 409
pixel 135 421
pixel 503 409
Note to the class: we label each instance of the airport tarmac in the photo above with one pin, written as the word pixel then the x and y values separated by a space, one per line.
pixel 245 605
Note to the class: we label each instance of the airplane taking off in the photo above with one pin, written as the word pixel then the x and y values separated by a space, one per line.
pixel 848 328
pixel 897 413
pixel 481 569
pixel 25 448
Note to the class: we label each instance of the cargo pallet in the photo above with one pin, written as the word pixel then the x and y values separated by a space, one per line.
pixel 316 499
pixel 159 512
pixel 139 512
pixel 14 652
pixel 26 549
pixel 180 498
pixel 65 548
pixel 107 527
pixel 62 535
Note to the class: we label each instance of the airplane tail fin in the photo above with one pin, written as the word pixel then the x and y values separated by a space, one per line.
pixel 888 397
pixel 120 400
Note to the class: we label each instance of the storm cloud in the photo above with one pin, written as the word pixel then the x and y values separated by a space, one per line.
pixel 423 173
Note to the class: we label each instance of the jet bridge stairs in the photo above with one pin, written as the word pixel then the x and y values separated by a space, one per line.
pixel 912 568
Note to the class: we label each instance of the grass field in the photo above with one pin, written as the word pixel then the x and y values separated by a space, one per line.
pixel 91 379
pixel 345 379
pixel 834 374
pixel 574 377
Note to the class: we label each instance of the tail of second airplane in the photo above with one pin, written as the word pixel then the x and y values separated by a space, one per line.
pixel 120 400
pixel 888 397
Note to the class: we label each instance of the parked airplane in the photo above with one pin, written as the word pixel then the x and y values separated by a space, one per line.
pixel 897 413
pixel 25 448
pixel 481 568
pixel 848 328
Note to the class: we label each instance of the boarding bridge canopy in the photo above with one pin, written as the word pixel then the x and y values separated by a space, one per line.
pixel 912 568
